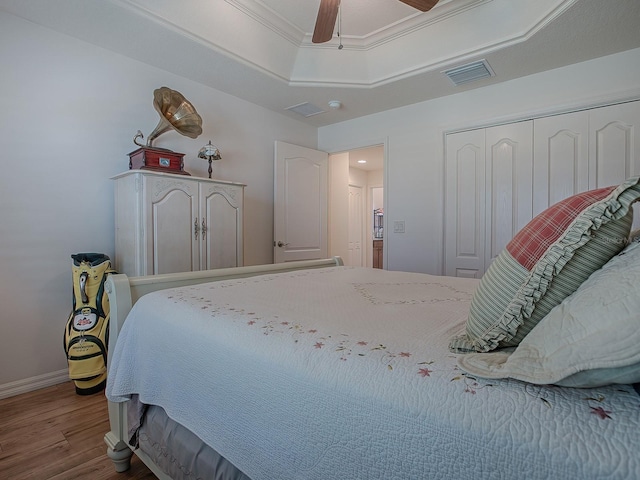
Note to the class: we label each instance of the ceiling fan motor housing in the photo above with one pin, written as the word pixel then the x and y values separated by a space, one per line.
pixel 328 13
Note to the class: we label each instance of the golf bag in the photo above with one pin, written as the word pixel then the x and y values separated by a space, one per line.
pixel 86 335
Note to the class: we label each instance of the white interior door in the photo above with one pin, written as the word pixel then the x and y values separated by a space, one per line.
pixel 355 226
pixel 508 184
pixel 489 195
pixel 560 158
pixel 614 147
pixel 465 204
pixel 300 203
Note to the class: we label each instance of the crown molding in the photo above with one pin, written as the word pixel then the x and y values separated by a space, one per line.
pixel 270 19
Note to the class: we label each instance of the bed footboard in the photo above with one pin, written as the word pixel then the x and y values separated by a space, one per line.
pixel 124 291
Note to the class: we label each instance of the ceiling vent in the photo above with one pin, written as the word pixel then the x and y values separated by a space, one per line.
pixel 305 109
pixel 469 72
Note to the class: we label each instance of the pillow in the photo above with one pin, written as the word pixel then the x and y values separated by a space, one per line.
pixel 544 263
pixel 591 339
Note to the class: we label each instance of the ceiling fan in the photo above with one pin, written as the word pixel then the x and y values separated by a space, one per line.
pixel 328 12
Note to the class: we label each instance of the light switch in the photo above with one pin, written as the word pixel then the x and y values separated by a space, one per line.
pixel 398 226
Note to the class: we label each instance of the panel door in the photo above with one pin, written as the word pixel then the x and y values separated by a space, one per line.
pixel 509 189
pixel 465 204
pixel 561 158
pixel 171 220
pixel 356 213
pixel 614 146
pixel 614 143
pixel 300 203
pixel 220 221
pixel 489 194
pixel 523 168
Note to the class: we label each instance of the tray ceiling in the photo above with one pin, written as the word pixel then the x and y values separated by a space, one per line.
pixel 392 55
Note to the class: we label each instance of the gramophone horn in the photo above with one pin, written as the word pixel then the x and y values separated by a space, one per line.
pixel 175 113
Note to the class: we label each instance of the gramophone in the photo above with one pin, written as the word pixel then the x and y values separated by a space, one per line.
pixel 176 113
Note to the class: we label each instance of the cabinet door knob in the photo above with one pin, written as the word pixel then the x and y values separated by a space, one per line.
pixel 195 228
pixel 204 229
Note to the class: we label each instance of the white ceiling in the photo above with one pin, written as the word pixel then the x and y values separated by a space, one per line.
pixel 373 156
pixel 393 55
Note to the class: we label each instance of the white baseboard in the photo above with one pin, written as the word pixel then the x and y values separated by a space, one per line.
pixel 34 383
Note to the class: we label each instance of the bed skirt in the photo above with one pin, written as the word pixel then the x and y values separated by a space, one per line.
pixel 173 448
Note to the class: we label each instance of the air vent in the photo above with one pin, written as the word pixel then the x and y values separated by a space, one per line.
pixel 305 109
pixel 469 72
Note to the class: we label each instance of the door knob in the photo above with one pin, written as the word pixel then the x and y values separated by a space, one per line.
pixel 280 244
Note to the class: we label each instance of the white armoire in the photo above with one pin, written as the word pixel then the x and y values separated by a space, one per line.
pixel 167 223
pixel 498 178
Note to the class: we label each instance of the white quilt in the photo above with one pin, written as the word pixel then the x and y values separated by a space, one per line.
pixel 344 373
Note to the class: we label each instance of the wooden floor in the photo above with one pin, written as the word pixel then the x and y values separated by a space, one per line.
pixel 55 434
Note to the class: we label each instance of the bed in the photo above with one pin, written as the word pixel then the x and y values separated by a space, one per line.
pixel 314 370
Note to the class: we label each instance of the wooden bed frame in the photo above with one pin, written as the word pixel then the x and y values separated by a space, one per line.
pixel 124 291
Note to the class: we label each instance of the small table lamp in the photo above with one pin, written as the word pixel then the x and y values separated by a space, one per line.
pixel 209 152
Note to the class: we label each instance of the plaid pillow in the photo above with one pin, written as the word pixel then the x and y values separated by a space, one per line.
pixel 546 262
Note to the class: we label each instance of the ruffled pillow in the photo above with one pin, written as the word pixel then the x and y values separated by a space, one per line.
pixel 591 339
pixel 544 263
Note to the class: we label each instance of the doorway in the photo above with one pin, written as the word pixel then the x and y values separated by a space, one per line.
pixel 377 205
pixel 356 179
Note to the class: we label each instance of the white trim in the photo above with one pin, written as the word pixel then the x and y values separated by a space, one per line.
pixel 561 109
pixel 33 383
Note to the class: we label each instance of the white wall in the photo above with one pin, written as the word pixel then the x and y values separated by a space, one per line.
pixel 71 109
pixel 414 187
pixel 69 113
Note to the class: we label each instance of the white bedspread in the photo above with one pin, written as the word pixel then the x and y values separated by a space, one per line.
pixel 344 373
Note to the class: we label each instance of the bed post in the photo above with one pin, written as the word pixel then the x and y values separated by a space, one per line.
pixel 117 287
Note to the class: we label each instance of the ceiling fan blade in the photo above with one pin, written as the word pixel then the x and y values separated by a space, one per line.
pixel 326 21
pixel 422 5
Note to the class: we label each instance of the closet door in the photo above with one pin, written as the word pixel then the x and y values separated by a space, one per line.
pixel 465 204
pixel 499 178
pixel 614 143
pixel 561 158
pixel 489 194
pixel 508 188
pixel 614 146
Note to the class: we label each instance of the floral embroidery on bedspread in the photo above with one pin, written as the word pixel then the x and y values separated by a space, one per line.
pixel 347 348
pixel 598 405
pixel 410 293
pixel 342 344
pixel 387 293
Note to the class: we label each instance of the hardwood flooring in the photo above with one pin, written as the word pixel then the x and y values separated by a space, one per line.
pixel 53 433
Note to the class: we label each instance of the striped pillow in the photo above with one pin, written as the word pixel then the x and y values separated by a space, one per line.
pixel 546 262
